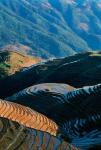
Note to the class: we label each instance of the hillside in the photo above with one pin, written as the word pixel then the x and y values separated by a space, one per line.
pixel 27 117
pixel 59 96
pixel 50 74
pixel 76 71
pixel 51 27
pixel 13 135
pixel 76 111
pixel 11 62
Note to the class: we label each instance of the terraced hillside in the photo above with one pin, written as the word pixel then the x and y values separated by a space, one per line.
pixel 77 112
pixel 11 62
pixel 51 27
pixel 76 71
pixel 56 96
pixel 55 103
pixel 27 117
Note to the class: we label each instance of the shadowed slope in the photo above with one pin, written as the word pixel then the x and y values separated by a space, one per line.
pixel 56 98
pixel 15 136
pixel 44 98
pixel 77 112
pixel 27 117
pixel 70 70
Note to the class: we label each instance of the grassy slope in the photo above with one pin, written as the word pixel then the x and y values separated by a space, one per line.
pixel 11 62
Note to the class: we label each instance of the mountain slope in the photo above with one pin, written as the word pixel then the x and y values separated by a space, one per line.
pixel 51 28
